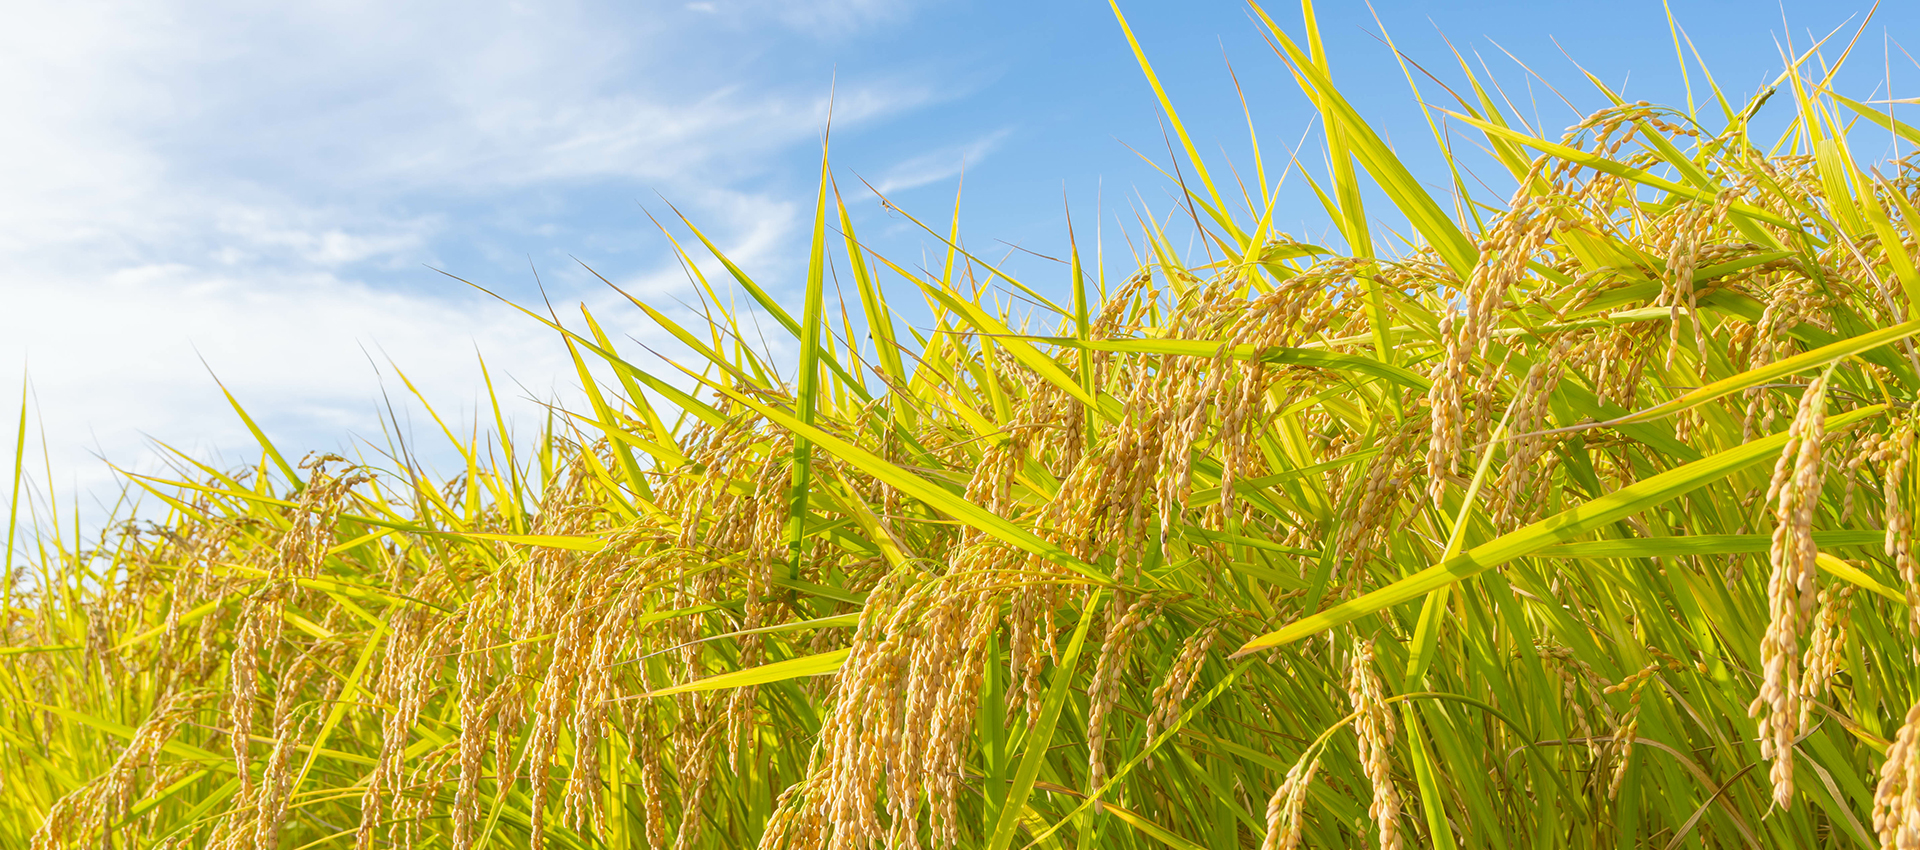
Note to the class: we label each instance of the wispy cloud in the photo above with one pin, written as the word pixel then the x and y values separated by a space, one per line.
pixel 264 191
pixel 939 164
pixel 818 18
pixel 839 17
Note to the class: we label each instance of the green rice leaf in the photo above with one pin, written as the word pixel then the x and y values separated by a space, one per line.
pixel 1040 737
pixel 1555 529
pixel 823 664
pixel 1600 163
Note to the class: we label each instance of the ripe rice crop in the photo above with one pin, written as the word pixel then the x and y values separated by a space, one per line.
pixel 1583 521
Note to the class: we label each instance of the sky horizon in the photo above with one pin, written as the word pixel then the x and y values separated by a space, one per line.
pixel 270 197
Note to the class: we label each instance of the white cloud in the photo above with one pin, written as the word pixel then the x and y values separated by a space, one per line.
pixel 818 18
pixel 938 164
pixel 839 16
pixel 260 187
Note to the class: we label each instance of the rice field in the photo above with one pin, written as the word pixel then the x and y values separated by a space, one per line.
pixel 1582 520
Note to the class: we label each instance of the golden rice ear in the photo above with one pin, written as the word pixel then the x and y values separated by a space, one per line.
pixel 1896 799
pixel 1792 591
pixel 1374 730
pixel 1286 810
pixel 1108 675
pixel 1896 453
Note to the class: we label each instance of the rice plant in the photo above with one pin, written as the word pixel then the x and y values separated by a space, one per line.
pixel 1582 520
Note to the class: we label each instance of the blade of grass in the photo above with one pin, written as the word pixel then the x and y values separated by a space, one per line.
pixel 1040 737
pixel 823 664
pixel 1573 522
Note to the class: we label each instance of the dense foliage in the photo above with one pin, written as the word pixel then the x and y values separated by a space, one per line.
pixel 1586 520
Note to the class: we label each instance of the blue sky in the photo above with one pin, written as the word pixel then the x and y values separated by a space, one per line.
pixel 263 187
